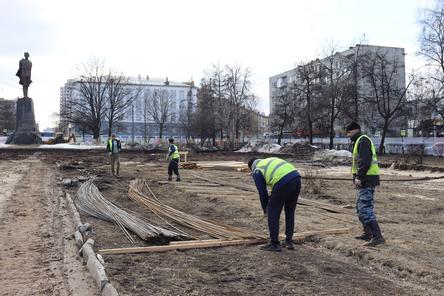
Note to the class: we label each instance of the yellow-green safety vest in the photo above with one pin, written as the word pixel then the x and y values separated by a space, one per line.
pixel 274 169
pixel 374 168
pixel 175 154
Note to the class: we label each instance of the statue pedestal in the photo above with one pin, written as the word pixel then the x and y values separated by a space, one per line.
pixel 25 128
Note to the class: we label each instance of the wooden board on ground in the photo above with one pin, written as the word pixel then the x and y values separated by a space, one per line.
pixel 212 243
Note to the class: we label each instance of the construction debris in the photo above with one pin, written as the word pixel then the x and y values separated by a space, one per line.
pixel 91 201
pixel 188 165
pixel 140 192
pixel 333 157
pixel 302 150
pixel 260 147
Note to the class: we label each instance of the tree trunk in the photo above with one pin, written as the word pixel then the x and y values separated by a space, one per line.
pixel 160 130
pixel 310 130
pixel 110 128
pixel 96 133
pixel 332 122
pixel 281 131
pixel 381 149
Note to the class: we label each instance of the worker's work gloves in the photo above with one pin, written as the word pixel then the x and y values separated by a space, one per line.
pixel 358 183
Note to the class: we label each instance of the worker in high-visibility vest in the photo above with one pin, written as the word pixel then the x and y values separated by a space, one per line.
pixel 365 172
pixel 174 157
pixel 114 147
pixel 285 183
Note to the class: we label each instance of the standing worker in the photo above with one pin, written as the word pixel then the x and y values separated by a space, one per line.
pixel 365 172
pixel 174 157
pixel 114 147
pixel 285 183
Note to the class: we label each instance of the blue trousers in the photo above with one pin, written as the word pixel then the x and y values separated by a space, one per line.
pixel 285 197
pixel 365 205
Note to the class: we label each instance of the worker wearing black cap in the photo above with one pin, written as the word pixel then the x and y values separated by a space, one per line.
pixel 365 172
pixel 285 183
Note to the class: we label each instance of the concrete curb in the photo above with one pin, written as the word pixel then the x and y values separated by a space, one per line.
pixel 95 268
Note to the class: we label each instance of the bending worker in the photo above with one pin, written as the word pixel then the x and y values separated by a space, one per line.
pixel 174 157
pixel 365 172
pixel 285 183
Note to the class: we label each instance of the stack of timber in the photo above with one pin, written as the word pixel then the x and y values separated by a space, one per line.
pixel 140 192
pixel 188 165
pixel 224 165
pixel 91 201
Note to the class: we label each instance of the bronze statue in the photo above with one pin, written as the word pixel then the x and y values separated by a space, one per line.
pixel 24 72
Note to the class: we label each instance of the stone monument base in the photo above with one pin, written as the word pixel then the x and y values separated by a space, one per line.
pixel 25 138
pixel 25 128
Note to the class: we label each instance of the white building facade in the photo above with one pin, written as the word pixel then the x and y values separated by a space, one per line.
pixel 136 121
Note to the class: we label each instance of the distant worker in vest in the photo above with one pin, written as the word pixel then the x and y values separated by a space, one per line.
pixel 174 157
pixel 114 147
pixel 285 183
pixel 365 172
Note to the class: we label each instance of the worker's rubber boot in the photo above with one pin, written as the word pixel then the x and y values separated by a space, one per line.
pixel 288 244
pixel 178 178
pixel 377 238
pixel 272 247
pixel 366 233
pixel 170 178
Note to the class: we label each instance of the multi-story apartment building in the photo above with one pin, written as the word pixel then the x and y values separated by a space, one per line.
pixel 7 115
pixel 136 119
pixel 352 58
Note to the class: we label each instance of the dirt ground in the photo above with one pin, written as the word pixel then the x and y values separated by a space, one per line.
pixel 411 215
pixel 37 253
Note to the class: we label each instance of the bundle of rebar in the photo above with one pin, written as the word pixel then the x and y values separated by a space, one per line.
pixel 91 201
pixel 140 192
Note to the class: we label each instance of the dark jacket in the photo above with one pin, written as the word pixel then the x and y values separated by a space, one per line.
pixel 261 186
pixel 364 161
pixel 109 145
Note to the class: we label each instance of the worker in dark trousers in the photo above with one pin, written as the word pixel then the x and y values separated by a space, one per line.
pixel 285 183
pixel 365 172
pixel 174 157
pixel 114 147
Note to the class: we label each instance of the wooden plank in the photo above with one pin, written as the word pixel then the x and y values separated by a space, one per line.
pixel 218 192
pixel 194 245
pixel 212 243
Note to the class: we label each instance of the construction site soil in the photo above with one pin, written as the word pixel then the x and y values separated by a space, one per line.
pixel 410 211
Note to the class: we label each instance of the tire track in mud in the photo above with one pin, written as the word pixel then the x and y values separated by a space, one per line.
pixel 33 234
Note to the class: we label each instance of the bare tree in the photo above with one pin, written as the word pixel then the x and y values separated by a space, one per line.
pixel 284 112
pixel 204 122
pixel 90 107
pixel 120 96
pixel 238 94
pixel 186 112
pixel 160 107
pixel 432 48
pixel 336 81
pixel 388 97
pixel 309 87
pixel 216 78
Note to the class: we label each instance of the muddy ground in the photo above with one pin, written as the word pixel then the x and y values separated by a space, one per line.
pixel 411 215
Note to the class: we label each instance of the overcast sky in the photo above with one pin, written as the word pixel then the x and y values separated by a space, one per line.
pixel 180 39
